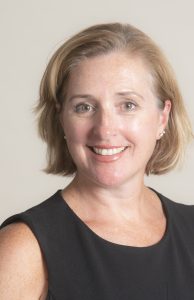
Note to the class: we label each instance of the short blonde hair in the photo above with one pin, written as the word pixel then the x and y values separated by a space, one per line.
pixel 95 41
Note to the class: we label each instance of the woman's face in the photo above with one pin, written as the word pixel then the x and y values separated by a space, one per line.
pixel 111 118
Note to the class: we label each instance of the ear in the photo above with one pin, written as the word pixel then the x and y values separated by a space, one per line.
pixel 164 117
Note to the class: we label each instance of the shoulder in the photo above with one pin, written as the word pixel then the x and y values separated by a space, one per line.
pixel 23 250
pixel 38 216
pixel 178 207
pixel 22 269
pixel 179 213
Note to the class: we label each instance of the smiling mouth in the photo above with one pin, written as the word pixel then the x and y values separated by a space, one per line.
pixel 107 151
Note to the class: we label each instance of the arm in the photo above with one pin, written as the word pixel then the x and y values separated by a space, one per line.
pixel 22 270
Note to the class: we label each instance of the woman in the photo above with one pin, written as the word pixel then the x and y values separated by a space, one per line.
pixel 110 111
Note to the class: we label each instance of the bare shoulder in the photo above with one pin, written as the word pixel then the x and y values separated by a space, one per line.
pixel 22 269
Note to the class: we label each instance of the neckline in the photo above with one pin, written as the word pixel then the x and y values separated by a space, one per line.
pixel 113 244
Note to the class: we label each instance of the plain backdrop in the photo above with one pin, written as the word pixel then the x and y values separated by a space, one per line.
pixel 30 31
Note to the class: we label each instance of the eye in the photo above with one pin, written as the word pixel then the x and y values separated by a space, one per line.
pixel 82 108
pixel 129 106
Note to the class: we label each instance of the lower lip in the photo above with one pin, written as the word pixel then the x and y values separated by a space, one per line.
pixel 108 158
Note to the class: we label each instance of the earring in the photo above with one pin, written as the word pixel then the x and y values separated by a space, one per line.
pixel 162 133
pixel 65 137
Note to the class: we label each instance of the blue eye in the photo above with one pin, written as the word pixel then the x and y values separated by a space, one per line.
pixel 83 108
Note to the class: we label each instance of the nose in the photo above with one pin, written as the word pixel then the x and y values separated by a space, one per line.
pixel 105 124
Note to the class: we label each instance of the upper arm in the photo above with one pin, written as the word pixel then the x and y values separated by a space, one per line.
pixel 22 270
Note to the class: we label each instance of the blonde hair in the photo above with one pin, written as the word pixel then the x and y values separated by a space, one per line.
pixel 95 41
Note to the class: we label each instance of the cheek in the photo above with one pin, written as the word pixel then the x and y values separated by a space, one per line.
pixel 144 127
pixel 76 131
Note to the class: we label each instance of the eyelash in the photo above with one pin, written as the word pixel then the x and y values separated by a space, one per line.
pixel 82 108
pixel 86 108
pixel 126 106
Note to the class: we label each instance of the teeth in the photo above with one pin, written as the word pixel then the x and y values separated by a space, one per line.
pixel 112 151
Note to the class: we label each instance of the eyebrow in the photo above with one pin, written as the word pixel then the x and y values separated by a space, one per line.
pixel 82 96
pixel 88 96
pixel 129 93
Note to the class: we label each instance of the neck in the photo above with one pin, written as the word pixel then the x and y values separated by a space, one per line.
pixel 129 199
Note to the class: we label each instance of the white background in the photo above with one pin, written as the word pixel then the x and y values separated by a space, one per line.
pixel 30 31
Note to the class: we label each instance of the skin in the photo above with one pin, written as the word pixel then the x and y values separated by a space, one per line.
pixel 111 103
pixel 23 273
pixel 108 192
pixel 109 122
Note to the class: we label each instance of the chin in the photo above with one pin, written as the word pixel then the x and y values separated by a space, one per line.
pixel 108 181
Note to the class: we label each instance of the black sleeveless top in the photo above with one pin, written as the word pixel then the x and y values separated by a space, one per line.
pixel 83 266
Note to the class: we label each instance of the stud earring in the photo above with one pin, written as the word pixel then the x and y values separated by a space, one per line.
pixel 65 137
pixel 162 133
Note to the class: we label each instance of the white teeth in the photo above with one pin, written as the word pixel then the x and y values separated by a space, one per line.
pixel 112 151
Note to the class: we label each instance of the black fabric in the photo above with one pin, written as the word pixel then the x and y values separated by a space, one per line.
pixel 82 265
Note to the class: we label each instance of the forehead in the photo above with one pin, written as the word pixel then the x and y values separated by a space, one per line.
pixel 117 70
